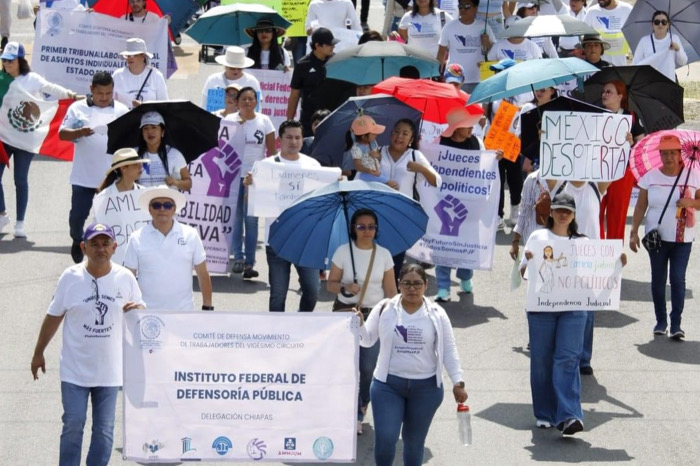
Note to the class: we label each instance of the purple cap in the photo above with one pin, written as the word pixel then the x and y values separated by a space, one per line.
pixel 97 229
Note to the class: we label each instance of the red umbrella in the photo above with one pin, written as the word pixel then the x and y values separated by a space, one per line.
pixel 432 98
pixel 645 155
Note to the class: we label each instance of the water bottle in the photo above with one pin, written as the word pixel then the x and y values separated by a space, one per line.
pixel 348 23
pixel 464 421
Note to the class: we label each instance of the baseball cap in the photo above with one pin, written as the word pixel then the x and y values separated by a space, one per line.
pixel 503 64
pixel 151 118
pixel 454 73
pixel 97 229
pixel 365 124
pixel 12 50
pixel 563 201
pixel 323 36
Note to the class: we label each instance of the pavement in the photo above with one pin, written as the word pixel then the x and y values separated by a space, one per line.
pixel 641 405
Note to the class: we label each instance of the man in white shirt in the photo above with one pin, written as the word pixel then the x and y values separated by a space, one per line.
pixel 291 140
pixel 163 253
pixel 139 14
pixel 608 17
pixel 235 62
pixel 85 124
pixel 331 14
pixel 90 297
pixel 468 41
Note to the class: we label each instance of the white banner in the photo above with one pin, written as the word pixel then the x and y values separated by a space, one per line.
pixel 70 46
pixel 463 213
pixel 211 203
pixel 121 211
pixel 275 88
pixel 277 185
pixel 221 386
pixel 574 275
pixel 581 146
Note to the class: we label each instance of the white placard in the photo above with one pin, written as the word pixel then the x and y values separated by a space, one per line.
pixel 275 88
pixel 121 211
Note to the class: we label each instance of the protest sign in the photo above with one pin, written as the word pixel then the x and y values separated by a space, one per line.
pixel 347 37
pixel 70 46
pixel 574 275
pixel 295 12
pixel 275 88
pixel 277 185
pixel 582 146
pixel 240 386
pixel 463 212
pixel 499 136
pixel 211 203
pixel 429 130
pixel 121 211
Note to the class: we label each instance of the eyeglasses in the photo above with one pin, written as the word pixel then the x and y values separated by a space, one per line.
pixel 608 91
pixel 415 285
pixel 162 205
pixel 360 227
pixel 660 22
pixel 232 95
pixel 463 6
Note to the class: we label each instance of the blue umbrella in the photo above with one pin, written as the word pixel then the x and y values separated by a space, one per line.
pixel 375 61
pixel 309 231
pixel 530 75
pixel 329 140
pixel 226 24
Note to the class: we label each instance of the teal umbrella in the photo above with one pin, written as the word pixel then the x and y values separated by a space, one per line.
pixel 530 75
pixel 226 24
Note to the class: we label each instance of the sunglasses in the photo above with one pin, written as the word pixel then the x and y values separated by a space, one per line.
pixel 415 285
pixel 463 6
pixel 5 60
pixel 268 30
pixel 162 205
pixel 366 227
pixel 660 22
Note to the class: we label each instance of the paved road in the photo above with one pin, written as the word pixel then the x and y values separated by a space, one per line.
pixel 641 406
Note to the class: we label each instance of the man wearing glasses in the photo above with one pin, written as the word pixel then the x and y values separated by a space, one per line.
pixel 468 41
pixel 608 17
pixel 163 253
pixel 90 298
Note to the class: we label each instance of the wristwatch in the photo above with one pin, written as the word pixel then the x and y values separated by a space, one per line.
pixel 459 384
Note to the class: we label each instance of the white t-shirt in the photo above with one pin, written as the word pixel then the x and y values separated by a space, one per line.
pixel 265 59
pixel 332 14
pixel 526 50
pixel 154 173
pixel 463 41
pixel 127 86
pixel 546 46
pixel 414 355
pixel 90 158
pixel 398 171
pixel 219 81
pixel 91 355
pixel 658 53
pixel 382 262
pixel 587 209
pixel 424 31
pixel 38 86
pixel 164 265
pixel 255 131
pixel 569 42
pixel 658 187
pixel 609 24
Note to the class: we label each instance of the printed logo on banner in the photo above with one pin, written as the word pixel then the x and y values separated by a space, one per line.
pixel 54 21
pixel 187 445
pixel 223 165
pixel 323 448
pixel 150 327
pixel 221 445
pixel 256 449
pixel 290 447
pixel 152 447
pixel 452 213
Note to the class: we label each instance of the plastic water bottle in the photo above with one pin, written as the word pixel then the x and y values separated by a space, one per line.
pixel 464 421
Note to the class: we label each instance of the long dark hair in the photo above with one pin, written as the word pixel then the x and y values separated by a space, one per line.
pixel 414 10
pixel 571 230
pixel 162 149
pixel 23 66
pixel 110 179
pixel 414 129
pixel 276 57
pixel 361 213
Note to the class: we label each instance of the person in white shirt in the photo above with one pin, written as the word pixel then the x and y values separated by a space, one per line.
pixel 515 48
pixel 608 17
pixel 468 41
pixel 85 124
pixel 166 164
pixel 568 44
pixel 235 62
pixel 421 26
pixel 291 140
pixel 138 81
pixel 331 14
pixel 90 298
pixel 523 10
pixel 163 253
pixel 659 48
pixel 139 14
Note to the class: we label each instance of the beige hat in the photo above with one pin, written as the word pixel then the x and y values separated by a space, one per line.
pixel 162 191
pixel 136 46
pixel 235 58
pixel 459 118
pixel 123 157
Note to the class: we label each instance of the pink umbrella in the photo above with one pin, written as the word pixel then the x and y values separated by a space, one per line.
pixel 645 156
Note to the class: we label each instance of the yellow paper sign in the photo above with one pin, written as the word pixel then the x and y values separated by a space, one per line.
pixel 499 136
pixel 295 11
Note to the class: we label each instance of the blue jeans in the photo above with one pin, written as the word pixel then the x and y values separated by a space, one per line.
pixel 22 161
pixel 587 352
pixel 408 402
pixel 368 361
pixel 251 230
pixel 104 403
pixel 299 50
pixel 279 270
pixel 80 205
pixel 677 255
pixel 556 342
pixel 442 276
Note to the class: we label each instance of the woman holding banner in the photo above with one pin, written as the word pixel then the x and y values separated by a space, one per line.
pixel 361 280
pixel 138 81
pixel 407 388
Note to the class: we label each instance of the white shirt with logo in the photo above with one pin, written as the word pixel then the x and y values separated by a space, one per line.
pixel 463 42
pixel 219 81
pixel 609 24
pixel 424 31
pixel 526 50
pixel 414 355
pixel 255 131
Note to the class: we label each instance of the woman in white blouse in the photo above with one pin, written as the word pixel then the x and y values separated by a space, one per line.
pixel 660 49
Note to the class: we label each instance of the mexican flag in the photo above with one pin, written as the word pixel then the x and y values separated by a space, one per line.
pixel 30 123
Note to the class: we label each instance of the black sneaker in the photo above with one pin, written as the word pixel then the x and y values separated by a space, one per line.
pixel 571 427
pixel 76 253
pixel 249 273
pixel 586 370
pixel 677 334
pixel 660 329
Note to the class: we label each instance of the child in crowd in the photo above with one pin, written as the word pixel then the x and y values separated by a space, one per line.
pixel 365 150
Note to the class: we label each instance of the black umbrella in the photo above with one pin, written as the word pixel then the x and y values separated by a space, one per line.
pixel 188 128
pixel 530 121
pixel 657 100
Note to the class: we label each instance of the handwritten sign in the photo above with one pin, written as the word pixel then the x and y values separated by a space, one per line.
pixel 499 135
pixel 582 146
pixel 295 12
pixel 574 275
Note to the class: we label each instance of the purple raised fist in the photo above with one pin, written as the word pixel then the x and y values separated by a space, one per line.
pixel 223 165
pixel 452 214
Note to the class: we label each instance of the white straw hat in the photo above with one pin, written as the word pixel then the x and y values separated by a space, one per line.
pixel 235 58
pixel 162 191
pixel 136 46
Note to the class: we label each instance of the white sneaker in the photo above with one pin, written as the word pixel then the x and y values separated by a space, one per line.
pixel 501 224
pixel 4 221
pixel 19 230
pixel 514 213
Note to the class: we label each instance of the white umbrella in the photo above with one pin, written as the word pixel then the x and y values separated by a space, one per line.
pixel 548 25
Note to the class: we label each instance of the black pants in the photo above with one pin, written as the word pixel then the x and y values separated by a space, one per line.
pixel 364 10
pixel 513 173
